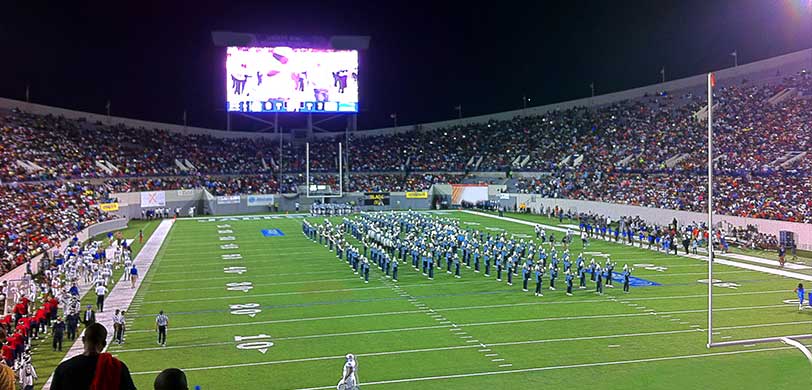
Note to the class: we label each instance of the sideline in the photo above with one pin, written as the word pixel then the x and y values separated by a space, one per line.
pixel 122 295
pixel 716 259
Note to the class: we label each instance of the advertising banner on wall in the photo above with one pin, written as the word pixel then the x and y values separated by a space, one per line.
pixel 417 195
pixel 230 199
pixel 260 200
pixel 376 199
pixel 153 199
pixel 108 206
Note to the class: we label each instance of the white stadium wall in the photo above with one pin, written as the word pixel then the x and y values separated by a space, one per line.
pixel 803 231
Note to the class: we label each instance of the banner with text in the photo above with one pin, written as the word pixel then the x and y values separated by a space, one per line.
pixel 260 200
pixel 417 195
pixel 153 199
pixel 108 206
pixel 229 199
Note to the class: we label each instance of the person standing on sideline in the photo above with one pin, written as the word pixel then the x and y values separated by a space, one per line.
pixel 140 236
pixel 782 252
pixel 133 276
pixel 161 322
pixel 90 316
pixel 116 326
pixel 395 270
pixel 101 291
pixel 59 334
pixel 800 291
pixel 72 323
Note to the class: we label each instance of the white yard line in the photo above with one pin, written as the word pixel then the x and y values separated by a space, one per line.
pixel 310 281
pixel 338 357
pixel 301 292
pixel 565 318
pixel 550 368
pixel 764 261
pixel 502 344
pixel 588 301
pixel 122 294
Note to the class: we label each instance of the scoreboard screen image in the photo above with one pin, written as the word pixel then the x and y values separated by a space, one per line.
pixel 285 79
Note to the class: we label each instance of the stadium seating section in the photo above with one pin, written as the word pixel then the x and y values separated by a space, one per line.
pixel 648 151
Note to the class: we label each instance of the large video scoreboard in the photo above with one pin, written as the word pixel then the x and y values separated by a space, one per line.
pixel 290 79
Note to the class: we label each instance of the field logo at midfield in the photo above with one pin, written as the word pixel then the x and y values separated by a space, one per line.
pixel 229 246
pixel 272 233
pixel 719 283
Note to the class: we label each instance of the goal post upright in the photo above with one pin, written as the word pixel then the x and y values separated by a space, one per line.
pixel 790 340
pixel 319 194
pixel 711 81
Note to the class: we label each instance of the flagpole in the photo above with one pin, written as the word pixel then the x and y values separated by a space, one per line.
pixel 711 81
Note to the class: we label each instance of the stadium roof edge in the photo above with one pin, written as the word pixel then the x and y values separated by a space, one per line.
pixel 802 58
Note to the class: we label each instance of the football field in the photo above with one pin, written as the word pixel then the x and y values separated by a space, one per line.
pixel 254 304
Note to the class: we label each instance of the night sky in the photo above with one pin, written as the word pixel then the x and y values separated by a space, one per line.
pixel 153 59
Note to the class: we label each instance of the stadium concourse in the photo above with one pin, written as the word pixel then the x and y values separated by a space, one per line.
pixel 646 152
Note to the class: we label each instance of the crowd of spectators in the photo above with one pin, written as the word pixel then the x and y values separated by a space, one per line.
pixel 38 216
pixel 646 152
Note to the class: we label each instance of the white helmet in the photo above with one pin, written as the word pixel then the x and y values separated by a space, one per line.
pixel 350 357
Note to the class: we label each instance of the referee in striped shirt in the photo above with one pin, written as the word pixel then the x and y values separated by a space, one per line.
pixel 161 321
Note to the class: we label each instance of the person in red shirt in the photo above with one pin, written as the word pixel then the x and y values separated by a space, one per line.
pixel 40 318
pixel 54 307
pixel 25 301
pixel 5 323
pixel 8 354
pixel 17 345
pixel 19 311
pixel 46 307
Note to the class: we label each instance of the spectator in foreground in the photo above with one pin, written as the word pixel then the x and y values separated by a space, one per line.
pixel 171 379
pixel 6 378
pixel 93 369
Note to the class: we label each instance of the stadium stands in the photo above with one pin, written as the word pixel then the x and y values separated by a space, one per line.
pixel 647 151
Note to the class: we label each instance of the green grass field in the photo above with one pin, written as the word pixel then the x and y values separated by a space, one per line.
pixel 309 310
